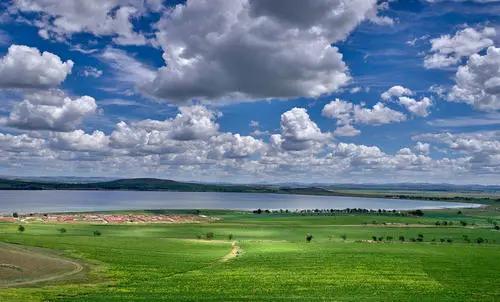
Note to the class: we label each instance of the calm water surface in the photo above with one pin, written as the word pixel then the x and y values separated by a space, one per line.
pixel 69 201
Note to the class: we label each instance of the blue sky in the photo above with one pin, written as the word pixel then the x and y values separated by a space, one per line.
pixel 207 97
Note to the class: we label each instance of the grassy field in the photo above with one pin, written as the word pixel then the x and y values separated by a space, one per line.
pixel 266 257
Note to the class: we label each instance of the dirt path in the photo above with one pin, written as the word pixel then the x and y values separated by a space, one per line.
pixel 77 267
pixel 235 252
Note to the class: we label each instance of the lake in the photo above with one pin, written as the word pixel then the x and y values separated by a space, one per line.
pixel 79 201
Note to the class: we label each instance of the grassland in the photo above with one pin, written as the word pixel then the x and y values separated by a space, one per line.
pixel 266 257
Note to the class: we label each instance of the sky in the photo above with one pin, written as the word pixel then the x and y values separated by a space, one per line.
pixel 252 91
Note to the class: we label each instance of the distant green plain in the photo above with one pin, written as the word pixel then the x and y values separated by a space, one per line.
pixel 170 262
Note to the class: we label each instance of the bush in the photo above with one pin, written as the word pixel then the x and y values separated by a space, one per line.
pixel 210 235
pixel 480 240
pixel 449 240
pixel 230 237
pixel 62 230
pixel 442 240
pixel 97 233
pixel 15 215
pixel 21 228
pixel 496 227
pixel 343 236
pixel 309 237
pixel 413 239
pixel 388 238
pixel 374 238
pixel 401 238
pixel 463 223
pixel 416 213
pixel 380 238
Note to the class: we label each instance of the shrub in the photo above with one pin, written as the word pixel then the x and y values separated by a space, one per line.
pixel 438 223
pixel 21 228
pixel 388 238
pixel 401 238
pixel 309 237
pixel 380 238
pixel 62 230
pixel 210 235
pixel 230 237
pixel 15 215
pixel 463 223
pixel 416 213
pixel 442 240
pixel 449 240
pixel 374 238
pixel 496 227
pixel 198 236
pixel 413 239
pixel 343 236
pixel 480 240
pixel 459 213
pixel 97 233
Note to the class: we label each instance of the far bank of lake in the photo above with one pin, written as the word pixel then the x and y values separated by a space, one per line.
pixel 83 201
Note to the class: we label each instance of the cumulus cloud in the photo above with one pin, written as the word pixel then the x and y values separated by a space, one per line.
pixel 378 115
pixel 396 91
pixel 450 50
pixel 53 113
pixel 298 131
pixel 27 67
pixel 89 71
pixel 254 49
pixel 78 140
pixel 61 19
pixel 418 108
pixel 478 81
pixel 347 114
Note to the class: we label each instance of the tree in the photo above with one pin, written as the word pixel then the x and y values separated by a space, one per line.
pixel 62 230
pixel 480 240
pixel 388 238
pixel 309 237
pixel 401 238
pixel 230 237
pixel 343 236
pixel 497 227
pixel 97 233
pixel 21 228
pixel 374 238
pixel 15 215
pixel 210 235
pixel 463 223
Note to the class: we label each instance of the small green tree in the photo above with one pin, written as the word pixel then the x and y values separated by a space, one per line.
pixel 97 233
pixel 210 235
pixel 343 236
pixel 309 237
pixel 374 238
pixel 496 227
pixel 15 215
pixel 230 237
pixel 21 228
pixel 401 238
pixel 62 230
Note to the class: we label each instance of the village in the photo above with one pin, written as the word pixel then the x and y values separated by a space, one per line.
pixel 105 218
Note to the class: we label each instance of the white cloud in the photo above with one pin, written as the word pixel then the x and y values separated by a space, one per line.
pixel 419 108
pixel 63 114
pixel 347 114
pixel 298 131
pixel 377 115
pixel 423 148
pixel 61 19
pixel 89 71
pixel 478 81
pixel 26 67
pixel 447 50
pixel 78 140
pixel 396 91
pixel 254 49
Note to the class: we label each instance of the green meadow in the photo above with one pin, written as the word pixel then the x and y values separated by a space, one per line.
pixel 251 257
